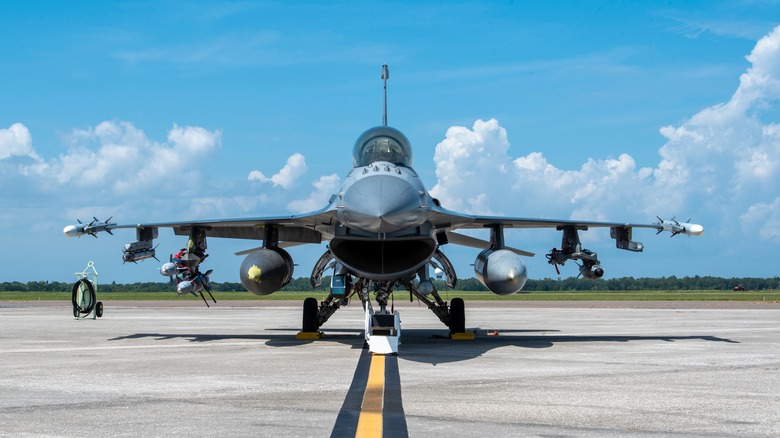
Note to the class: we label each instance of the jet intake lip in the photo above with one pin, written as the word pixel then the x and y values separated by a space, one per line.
pixel 383 260
pixel 382 204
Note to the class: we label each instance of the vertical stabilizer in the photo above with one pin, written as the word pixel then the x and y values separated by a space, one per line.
pixel 385 77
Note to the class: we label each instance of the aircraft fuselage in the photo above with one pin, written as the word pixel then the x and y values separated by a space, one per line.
pixel 383 198
pixel 382 208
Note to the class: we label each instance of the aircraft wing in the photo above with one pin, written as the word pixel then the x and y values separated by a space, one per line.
pixel 443 219
pixel 466 222
pixel 295 229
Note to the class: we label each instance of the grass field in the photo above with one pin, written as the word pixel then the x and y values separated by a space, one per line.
pixel 704 295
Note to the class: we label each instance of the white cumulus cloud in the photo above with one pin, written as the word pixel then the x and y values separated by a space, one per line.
pixel 225 206
pixel 476 174
pixel 324 187
pixel 287 175
pixel 722 164
pixel 464 158
pixel 118 157
pixel 763 219
pixel 16 141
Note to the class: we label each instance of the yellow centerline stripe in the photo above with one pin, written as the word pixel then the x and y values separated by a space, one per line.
pixel 370 420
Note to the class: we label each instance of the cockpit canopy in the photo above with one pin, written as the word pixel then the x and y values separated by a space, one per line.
pixel 382 143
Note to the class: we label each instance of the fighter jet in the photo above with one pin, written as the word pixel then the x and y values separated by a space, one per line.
pixel 384 232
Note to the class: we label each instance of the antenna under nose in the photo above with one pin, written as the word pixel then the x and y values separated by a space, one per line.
pixel 385 77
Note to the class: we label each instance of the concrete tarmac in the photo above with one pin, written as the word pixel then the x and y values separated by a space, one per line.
pixel 177 370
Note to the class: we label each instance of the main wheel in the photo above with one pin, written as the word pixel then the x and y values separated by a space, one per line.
pixel 457 316
pixel 310 315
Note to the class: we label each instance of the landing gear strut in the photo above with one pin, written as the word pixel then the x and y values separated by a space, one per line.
pixel 384 324
pixel 452 315
pixel 315 316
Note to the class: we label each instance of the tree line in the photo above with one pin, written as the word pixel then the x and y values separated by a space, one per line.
pixel 302 284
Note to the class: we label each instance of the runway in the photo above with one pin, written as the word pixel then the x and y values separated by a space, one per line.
pixel 236 370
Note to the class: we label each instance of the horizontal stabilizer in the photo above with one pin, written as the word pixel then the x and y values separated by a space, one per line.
pixel 473 242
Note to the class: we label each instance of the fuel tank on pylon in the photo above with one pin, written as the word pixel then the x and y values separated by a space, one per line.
pixel 266 270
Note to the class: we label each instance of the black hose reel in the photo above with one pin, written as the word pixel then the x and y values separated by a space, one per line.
pixel 84 298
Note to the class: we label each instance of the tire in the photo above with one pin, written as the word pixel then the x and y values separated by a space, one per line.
pixel 99 309
pixel 457 316
pixel 310 315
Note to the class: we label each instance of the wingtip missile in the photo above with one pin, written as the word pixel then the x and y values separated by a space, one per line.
pixel 73 231
pixel 676 227
pixel 92 228
pixel 694 229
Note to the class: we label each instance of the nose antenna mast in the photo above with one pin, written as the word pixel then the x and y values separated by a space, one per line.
pixel 385 77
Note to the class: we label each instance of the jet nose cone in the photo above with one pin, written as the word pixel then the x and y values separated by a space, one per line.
pixel 382 204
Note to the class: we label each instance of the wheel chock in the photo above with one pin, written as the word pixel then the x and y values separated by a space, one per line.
pixel 465 336
pixel 309 335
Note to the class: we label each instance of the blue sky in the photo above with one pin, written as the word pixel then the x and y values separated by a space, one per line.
pixel 620 111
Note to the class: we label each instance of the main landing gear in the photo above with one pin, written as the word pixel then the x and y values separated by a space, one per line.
pixel 310 315
pixel 383 325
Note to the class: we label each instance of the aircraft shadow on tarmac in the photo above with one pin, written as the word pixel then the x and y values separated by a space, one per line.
pixel 431 346
pixel 428 346
pixel 351 337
